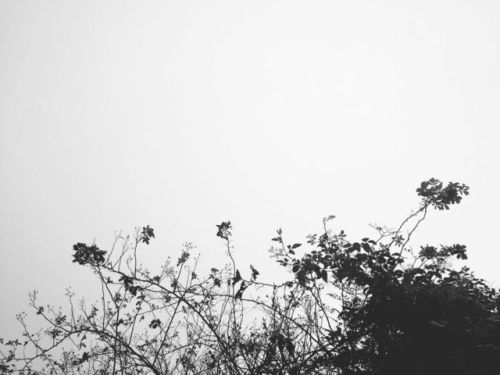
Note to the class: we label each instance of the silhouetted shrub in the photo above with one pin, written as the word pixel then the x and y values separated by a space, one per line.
pixel 373 306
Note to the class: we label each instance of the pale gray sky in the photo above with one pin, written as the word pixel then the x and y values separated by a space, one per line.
pixel 181 114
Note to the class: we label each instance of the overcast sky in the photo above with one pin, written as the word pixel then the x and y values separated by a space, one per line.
pixel 181 114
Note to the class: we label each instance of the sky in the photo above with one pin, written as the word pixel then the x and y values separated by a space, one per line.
pixel 271 114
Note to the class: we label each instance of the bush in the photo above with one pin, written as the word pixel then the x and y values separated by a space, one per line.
pixel 373 306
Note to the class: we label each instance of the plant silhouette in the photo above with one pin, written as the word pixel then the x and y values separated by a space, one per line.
pixel 373 306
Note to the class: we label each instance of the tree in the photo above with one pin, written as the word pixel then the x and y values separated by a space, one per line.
pixel 405 311
pixel 373 306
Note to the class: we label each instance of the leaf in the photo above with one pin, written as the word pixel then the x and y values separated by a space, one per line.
pixel 255 273
pixel 237 277
pixel 324 275
pixel 328 218
pixel 366 247
pixel 239 293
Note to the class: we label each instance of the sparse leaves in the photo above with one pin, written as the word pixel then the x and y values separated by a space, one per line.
pixel 224 230
pixel 147 234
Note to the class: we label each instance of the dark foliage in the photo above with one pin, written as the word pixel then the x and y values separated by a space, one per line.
pixel 373 306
